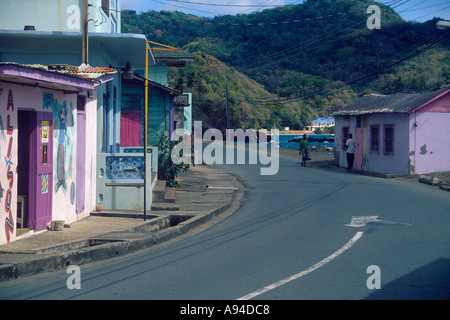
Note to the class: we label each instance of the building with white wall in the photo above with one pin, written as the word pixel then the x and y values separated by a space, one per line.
pixel 60 15
pixel 321 123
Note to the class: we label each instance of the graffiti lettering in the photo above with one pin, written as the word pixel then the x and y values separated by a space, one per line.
pixel 9 128
pixel 10 176
pixel 8 200
pixel 9 221
pixel 9 226
pixel 10 101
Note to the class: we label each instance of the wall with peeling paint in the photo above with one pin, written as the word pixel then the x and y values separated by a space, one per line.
pixel 430 137
pixel 395 163
pixel 421 139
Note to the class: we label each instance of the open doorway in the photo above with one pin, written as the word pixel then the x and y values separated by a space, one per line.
pixel 34 169
pixel 26 125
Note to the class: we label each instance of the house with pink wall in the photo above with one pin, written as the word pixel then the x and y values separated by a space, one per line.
pixel 402 133
pixel 48 129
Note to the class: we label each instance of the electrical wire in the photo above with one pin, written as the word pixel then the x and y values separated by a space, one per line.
pixel 417 50
pixel 228 5
pixel 395 4
pixel 308 44
pixel 181 7
pixel 281 53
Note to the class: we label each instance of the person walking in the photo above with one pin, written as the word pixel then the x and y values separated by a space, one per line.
pixel 304 149
pixel 351 146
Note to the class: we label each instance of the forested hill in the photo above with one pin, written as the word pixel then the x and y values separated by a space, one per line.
pixel 313 57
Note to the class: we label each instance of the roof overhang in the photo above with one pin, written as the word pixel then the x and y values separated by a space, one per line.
pixel 173 57
pixel 125 47
pixel 440 94
pixel 36 77
pixel 401 103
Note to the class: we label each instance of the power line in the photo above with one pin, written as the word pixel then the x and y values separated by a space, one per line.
pixel 297 20
pixel 177 6
pixel 260 4
pixel 319 39
pixel 227 5
pixel 417 50
pixel 410 54
pixel 432 13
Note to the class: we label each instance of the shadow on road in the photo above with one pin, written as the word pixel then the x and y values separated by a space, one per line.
pixel 430 282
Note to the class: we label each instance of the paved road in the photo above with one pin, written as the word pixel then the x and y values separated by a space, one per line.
pixel 289 239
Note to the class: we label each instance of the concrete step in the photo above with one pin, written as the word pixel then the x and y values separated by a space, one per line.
pixel 159 190
pixel 169 195
pixel 163 194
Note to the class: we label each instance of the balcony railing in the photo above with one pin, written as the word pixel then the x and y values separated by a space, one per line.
pixel 119 167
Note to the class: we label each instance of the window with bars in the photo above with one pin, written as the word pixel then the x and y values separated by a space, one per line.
pixel 388 139
pixel 375 138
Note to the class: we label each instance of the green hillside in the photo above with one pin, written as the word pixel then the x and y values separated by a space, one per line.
pixel 310 59
pixel 250 104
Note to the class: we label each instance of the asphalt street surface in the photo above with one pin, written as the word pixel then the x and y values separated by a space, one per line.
pixel 292 238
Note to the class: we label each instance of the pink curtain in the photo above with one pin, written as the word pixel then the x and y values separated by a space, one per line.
pixel 130 130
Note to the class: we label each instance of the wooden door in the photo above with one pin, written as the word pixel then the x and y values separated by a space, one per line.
pixel 43 173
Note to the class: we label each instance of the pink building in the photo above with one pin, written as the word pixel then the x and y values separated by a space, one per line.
pixel 48 130
pixel 403 133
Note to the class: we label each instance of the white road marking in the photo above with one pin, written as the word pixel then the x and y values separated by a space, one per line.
pixel 362 221
pixel 272 286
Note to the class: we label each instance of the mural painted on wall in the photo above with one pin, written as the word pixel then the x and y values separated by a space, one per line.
pixel 65 135
pixel 2 138
pixel 6 191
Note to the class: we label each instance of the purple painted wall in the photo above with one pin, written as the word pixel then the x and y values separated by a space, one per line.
pixel 430 137
pixel 60 156
pixel 421 139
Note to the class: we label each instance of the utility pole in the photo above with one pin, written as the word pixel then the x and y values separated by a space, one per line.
pixel 228 110
pixel 84 31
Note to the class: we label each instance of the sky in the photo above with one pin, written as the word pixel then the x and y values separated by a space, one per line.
pixel 410 10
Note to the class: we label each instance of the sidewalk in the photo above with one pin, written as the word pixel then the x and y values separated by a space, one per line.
pixel 203 193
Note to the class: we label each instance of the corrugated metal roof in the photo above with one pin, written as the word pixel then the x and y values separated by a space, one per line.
pixel 84 71
pixel 395 103
pixel 59 77
pixel 172 54
pixel 174 58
